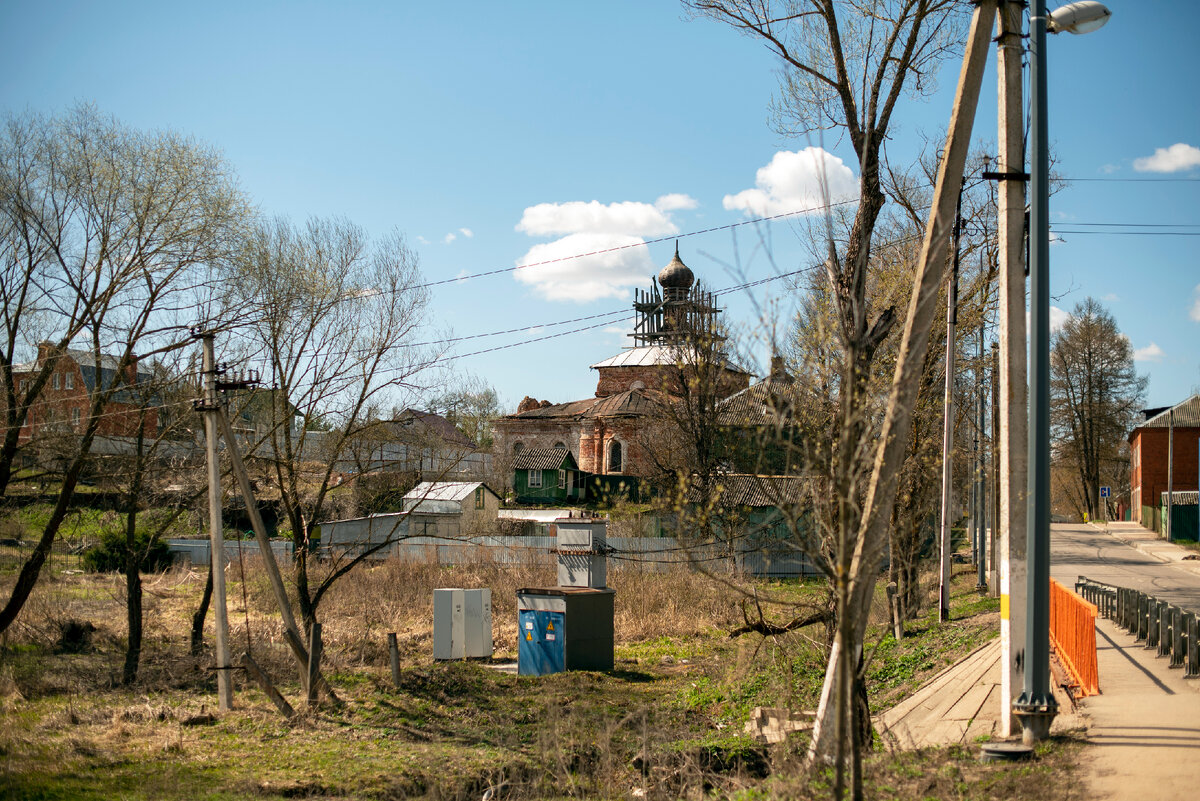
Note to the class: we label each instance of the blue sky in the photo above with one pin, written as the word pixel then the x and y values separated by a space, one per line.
pixel 496 134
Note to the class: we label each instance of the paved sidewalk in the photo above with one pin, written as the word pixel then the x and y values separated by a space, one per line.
pixel 1144 726
pixel 1151 544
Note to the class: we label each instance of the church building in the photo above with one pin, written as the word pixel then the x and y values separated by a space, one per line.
pixel 605 434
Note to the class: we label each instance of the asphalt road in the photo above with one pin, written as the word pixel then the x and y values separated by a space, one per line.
pixel 1080 550
pixel 1144 727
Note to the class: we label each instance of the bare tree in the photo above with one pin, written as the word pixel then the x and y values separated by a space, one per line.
pixel 1095 395
pixel 334 321
pixel 846 66
pixel 109 237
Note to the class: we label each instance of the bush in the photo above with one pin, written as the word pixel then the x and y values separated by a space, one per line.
pixel 109 554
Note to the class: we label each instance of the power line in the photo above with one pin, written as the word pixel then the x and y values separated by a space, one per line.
pixel 641 243
pixel 1126 233
pixel 1130 180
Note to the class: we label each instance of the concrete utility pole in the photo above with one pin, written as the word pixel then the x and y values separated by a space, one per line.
pixel 1170 472
pixel 1014 433
pixel 216 533
pixel 994 529
pixel 981 471
pixel 948 423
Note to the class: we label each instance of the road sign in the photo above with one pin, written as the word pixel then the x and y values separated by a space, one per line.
pixel 1106 492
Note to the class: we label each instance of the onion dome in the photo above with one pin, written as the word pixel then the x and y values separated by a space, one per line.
pixel 676 275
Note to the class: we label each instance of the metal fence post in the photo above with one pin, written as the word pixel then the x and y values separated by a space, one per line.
pixel 1193 647
pixel 1176 637
pixel 1164 632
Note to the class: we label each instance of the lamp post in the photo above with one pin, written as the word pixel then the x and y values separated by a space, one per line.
pixel 1036 707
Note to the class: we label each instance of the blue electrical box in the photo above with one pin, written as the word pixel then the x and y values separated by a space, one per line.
pixel 540 650
pixel 564 628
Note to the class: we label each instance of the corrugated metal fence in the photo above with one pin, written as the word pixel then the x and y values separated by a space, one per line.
pixel 644 553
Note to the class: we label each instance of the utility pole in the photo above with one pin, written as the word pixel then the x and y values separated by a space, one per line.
pixel 994 539
pixel 981 469
pixel 208 405
pixel 1170 472
pixel 1036 708
pixel 944 573
pixel 1014 431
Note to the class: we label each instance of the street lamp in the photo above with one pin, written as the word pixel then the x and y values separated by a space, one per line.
pixel 1036 708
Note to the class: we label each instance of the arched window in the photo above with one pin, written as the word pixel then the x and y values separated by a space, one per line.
pixel 614 456
pixel 562 445
pixel 518 447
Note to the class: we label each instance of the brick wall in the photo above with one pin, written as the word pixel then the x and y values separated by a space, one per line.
pixel 1148 471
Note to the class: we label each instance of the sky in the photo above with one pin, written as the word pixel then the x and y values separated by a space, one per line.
pixel 495 135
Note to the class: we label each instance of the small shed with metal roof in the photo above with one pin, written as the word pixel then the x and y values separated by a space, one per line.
pixel 547 475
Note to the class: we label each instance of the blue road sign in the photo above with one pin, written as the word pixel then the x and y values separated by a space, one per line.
pixel 1106 492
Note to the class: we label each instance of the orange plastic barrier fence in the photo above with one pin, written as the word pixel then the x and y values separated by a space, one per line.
pixel 1073 633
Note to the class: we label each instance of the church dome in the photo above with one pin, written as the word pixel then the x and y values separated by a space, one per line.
pixel 676 275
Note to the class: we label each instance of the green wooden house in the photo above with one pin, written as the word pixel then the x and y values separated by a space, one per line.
pixel 548 475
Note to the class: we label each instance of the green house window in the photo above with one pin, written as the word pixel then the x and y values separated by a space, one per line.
pixel 535 478
pixel 479 497
pixel 562 479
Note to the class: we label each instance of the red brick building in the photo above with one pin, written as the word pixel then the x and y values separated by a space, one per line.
pixel 1149 444
pixel 65 401
pixel 610 434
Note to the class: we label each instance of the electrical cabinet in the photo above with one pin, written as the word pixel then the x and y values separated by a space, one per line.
pixel 462 623
pixel 581 550
pixel 564 628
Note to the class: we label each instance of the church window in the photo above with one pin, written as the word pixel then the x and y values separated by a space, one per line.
pixel 614 457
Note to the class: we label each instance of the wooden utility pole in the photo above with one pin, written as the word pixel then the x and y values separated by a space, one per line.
pixel 1014 392
pixel 216 533
pixel 291 632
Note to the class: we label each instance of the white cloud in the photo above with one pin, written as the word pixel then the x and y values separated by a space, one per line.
pixel 617 262
pixel 450 237
pixel 422 240
pixel 1150 353
pixel 613 233
pixel 467 232
pixel 1111 297
pixel 1176 158
pixel 1058 318
pixel 627 218
pixel 795 182
pixel 1195 311
pixel 675 201
pixel 1109 169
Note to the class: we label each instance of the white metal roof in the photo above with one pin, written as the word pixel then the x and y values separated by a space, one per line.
pixel 650 356
pixel 443 490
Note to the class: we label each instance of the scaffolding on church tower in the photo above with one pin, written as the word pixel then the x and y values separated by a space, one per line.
pixel 681 310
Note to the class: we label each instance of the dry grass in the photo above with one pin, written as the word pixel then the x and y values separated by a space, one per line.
pixel 666 723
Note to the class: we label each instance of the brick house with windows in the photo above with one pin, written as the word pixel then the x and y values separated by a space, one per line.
pixel 66 399
pixel 607 435
pixel 1174 430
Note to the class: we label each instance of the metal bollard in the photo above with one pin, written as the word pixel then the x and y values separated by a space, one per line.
pixel 1164 628
pixel 1143 618
pixel 1177 637
pixel 1193 647
pixel 1151 623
